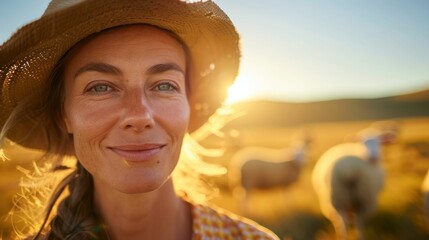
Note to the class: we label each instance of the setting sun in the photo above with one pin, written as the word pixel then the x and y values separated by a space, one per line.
pixel 242 89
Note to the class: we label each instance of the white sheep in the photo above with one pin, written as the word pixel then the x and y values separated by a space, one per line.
pixel 263 168
pixel 348 179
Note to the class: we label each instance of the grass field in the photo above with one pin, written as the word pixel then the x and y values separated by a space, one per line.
pixel 293 212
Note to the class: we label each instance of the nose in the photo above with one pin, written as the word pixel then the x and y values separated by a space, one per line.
pixel 137 114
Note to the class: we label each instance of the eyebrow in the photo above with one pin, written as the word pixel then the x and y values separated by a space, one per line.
pixel 98 67
pixel 110 69
pixel 163 67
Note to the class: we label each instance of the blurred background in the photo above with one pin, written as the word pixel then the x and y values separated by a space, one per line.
pixel 313 72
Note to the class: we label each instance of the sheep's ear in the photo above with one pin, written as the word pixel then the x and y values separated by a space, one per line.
pixel 388 137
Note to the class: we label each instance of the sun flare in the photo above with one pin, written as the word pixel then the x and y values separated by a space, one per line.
pixel 241 90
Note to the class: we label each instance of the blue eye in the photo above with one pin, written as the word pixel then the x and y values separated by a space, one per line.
pixel 100 88
pixel 166 87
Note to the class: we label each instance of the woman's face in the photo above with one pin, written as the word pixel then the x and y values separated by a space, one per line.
pixel 126 107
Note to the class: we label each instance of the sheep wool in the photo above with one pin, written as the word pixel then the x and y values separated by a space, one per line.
pixel 348 179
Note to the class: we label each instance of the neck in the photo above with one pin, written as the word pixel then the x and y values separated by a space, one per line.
pixel 159 214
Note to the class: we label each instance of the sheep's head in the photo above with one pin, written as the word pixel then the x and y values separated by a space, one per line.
pixel 388 130
pixel 385 131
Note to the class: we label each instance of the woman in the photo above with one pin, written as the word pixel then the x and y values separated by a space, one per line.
pixel 118 85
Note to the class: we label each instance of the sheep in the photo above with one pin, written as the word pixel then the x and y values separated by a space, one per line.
pixel 256 167
pixel 348 179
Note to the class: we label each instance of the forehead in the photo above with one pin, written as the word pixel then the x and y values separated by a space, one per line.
pixel 137 35
pixel 138 31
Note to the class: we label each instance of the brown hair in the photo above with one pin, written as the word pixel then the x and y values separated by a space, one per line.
pixel 74 217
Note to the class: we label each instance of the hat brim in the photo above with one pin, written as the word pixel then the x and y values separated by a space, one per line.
pixel 29 56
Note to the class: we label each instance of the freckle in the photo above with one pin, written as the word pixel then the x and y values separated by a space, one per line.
pixel 158 162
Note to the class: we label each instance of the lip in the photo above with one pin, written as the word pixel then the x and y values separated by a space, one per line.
pixel 137 153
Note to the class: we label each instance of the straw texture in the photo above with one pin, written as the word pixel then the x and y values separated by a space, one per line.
pixel 29 56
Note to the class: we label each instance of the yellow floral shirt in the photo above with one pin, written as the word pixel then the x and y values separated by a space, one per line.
pixel 210 223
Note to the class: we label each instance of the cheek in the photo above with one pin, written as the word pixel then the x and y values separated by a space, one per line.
pixel 89 125
pixel 175 116
pixel 88 118
pixel 85 153
pixel 87 139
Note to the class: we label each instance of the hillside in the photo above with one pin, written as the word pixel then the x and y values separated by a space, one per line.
pixel 281 114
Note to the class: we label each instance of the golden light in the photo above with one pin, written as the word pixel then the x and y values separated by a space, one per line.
pixel 244 88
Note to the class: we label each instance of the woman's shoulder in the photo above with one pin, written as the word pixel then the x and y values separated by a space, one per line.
pixel 210 222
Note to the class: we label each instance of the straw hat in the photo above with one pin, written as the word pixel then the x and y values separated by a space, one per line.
pixel 29 56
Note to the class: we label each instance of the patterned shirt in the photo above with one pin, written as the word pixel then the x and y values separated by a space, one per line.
pixel 211 223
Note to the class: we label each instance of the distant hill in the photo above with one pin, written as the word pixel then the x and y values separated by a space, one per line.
pixel 263 113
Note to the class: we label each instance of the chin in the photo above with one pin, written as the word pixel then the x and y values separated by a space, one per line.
pixel 141 185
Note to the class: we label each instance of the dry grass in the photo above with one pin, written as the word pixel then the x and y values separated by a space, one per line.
pixel 293 212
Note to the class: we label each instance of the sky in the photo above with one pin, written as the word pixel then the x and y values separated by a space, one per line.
pixel 311 50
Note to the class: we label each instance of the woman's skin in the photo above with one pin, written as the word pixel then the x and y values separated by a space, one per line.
pixel 126 107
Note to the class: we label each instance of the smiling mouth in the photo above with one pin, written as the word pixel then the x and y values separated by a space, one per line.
pixel 138 153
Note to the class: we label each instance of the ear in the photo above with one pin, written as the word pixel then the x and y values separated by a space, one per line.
pixel 388 137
